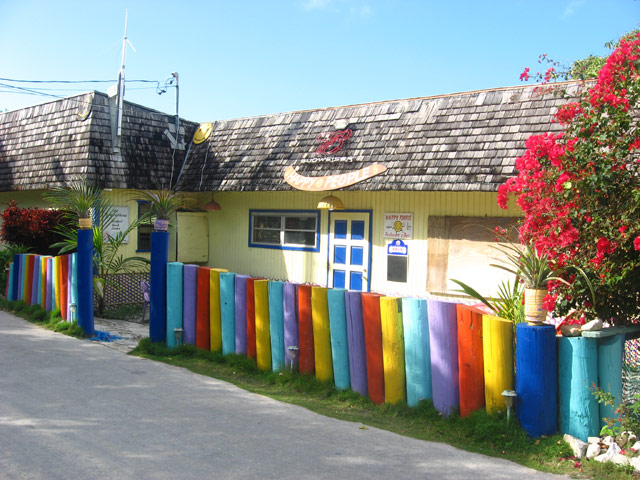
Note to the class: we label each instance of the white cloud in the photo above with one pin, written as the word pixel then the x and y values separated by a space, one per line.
pixel 572 7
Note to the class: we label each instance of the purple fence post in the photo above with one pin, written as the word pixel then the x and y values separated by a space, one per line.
pixel 443 337
pixel 290 324
pixel 355 338
pixel 241 313
pixel 190 274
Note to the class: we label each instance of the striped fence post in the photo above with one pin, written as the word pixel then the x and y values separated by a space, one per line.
pixel 175 285
pixel 416 350
pixel 339 342
pixel 189 300
pixel 443 335
pixel 537 379
pixel 470 359
pixel 10 281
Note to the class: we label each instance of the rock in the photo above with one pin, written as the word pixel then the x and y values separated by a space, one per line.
pixel 593 450
pixel 570 330
pixel 593 440
pixel 608 440
pixel 635 463
pixel 578 446
pixel 592 325
pixel 611 455
pixel 620 459
pixel 636 447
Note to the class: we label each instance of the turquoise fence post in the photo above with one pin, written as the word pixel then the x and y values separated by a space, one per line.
pixel 417 357
pixel 175 281
pixel 577 374
pixel 85 281
pixel 35 283
pixel 10 280
pixel 228 312
pixel 158 304
pixel 276 324
pixel 339 338
pixel 537 379
pixel 610 354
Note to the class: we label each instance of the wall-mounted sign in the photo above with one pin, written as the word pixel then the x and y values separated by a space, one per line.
pixel 397 261
pixel 120 223
pixel 398 225
pixel 397 247
pixel 331 182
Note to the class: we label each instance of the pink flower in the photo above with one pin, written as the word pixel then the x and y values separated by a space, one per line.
pixel 524 76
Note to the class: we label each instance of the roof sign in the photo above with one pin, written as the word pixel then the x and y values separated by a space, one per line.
pixel 202 133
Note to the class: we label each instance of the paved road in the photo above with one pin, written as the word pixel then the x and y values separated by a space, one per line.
pixel 73 409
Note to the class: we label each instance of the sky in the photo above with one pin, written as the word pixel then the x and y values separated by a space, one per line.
pixel 240 58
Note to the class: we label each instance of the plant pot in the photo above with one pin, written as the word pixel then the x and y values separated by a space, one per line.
pixel 84 223
pixel 534 313
pixel 160 225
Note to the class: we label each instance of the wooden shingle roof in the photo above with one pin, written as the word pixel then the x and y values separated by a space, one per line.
pixel 48 144
pixel 461 142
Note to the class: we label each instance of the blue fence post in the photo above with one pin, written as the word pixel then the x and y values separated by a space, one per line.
pixel 85 281
pixel 158 304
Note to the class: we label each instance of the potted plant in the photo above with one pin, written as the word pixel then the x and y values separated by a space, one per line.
pixel 161 205
pixel 535 272
pixel 78 198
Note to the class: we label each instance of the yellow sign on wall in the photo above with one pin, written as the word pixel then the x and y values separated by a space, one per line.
pixel 331 182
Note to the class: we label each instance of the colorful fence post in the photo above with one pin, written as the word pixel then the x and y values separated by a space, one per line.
pixel 470 359
pixel 263 341
pixel 21 276
pixel 307 360
pixel 497 346
pixel 416 350
pixel 85 281
pixel 537 379
pixel 443 335
pixel 275 291
pixel 357 351
pixel 189 300
pixel 203 298
pixel 175 285
pixel 228 312
pixel 392 349
pixel 215 316
pixel 321 334
pixel 373 342
pixel 577 373
pixel 339 342
pixel 291 338
pixel 610 355
pixel 64 287
pixel 158 304
pixel 251 318
pixel 50 301
pixel 240 299
pixel 35 288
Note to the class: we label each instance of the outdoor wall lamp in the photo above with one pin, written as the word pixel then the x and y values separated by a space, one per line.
pixel 330 202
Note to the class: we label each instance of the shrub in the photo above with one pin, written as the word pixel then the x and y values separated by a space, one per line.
pixel 32 227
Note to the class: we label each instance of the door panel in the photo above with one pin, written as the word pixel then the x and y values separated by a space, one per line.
pixel 349 250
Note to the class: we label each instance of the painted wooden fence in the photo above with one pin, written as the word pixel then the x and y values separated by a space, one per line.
pixel 389 349
pixel 51 282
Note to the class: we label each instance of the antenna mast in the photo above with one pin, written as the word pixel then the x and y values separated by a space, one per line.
pixel 125 40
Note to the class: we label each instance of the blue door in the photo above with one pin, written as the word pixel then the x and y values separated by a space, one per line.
pixel 349 250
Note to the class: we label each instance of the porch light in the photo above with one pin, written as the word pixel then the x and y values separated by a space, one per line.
pixel 330 202
pixel 212 205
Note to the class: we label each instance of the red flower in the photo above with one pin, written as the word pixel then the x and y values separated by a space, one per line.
pixel 636 243
pixel 524 76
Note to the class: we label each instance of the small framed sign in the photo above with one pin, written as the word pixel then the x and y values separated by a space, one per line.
pixel 120 223
pixel 398 225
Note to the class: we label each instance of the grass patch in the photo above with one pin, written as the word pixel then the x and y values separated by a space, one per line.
pixel 480 432
pixel 38 315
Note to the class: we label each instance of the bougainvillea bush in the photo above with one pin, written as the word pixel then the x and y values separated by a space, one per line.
pixel 579 191
pixel 31 227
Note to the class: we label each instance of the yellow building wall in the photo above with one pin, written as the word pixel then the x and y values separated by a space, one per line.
pixel 229 233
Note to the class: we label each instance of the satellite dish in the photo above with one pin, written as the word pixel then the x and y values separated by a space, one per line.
pixel 202 133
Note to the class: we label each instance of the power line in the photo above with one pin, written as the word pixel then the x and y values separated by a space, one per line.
pixel 73 81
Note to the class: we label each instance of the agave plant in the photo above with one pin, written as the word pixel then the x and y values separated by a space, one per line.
pixel 161 203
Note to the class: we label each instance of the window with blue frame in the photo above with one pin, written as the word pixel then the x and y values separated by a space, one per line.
pixel 144 229
pixel 285 229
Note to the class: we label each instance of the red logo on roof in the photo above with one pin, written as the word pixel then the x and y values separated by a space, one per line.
pixel 332 142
